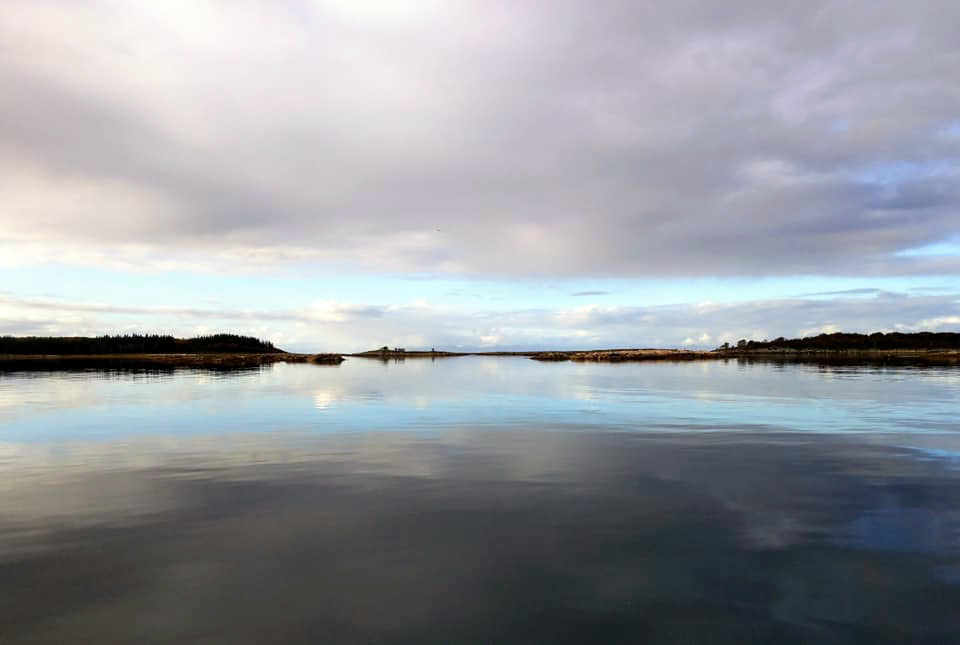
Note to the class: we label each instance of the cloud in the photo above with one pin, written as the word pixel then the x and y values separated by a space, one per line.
pixel 348 326
pixel 847 292
pixel 510 140
pixel 62 307
pixel 940 323
pixel 590 293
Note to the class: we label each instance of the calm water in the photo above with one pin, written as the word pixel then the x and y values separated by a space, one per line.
pixel 483 500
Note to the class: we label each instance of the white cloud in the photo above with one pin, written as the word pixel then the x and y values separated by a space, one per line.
pixel 939 322
pixel 329 325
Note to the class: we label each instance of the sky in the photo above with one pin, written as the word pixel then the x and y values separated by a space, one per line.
pixel 337 175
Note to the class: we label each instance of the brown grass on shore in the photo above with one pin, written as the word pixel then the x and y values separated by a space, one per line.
pixel 624 355
pixel 226 360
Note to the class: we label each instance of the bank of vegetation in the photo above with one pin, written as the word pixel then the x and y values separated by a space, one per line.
pixel 147 351
pixel 927 347
pixel 135 344
pixel 846 342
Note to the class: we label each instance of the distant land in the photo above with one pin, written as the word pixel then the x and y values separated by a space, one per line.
pixel 230 350
pixel 926 347
pixel 133 344
pixel 148 350
pixel 844 342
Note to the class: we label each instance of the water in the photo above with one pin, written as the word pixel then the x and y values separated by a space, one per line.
pixel 481 500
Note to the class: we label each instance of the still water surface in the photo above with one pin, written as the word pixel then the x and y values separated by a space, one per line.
pixel 481 500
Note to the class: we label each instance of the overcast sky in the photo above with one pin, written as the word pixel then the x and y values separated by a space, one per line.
pixel 342 174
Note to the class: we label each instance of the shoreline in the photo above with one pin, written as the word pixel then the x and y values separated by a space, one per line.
pixel 627 355
pixel 930 356
pixel 245 360
pixel 208 360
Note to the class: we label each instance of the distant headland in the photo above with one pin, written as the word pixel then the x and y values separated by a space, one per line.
pixel 926 347
pixel 846 342
pixel 148 350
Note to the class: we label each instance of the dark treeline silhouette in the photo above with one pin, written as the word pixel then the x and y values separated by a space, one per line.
pixel 134 344
pixel 862 342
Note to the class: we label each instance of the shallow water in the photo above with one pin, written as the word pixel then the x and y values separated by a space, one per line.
pixel 481 500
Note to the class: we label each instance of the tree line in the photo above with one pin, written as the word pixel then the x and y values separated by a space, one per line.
pixel 845 341
pixel 134 344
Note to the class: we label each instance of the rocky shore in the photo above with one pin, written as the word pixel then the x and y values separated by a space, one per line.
pixel 626 355
pixel 905 356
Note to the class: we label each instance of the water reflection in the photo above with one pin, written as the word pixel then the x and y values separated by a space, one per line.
pixel 363 395
pixel 478 501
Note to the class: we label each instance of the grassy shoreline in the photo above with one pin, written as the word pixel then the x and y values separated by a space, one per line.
pixel 227 360
pixel 932 356
pixel 929 356
pixel 206 360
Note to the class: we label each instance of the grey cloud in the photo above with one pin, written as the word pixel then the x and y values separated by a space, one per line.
pixel 21 327
pixel 932 289
pixel 621 139
pixel 94 308
pixel 319 311
pixel 590 293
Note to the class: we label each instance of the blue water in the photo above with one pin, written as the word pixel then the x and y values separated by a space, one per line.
pixel 484 500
